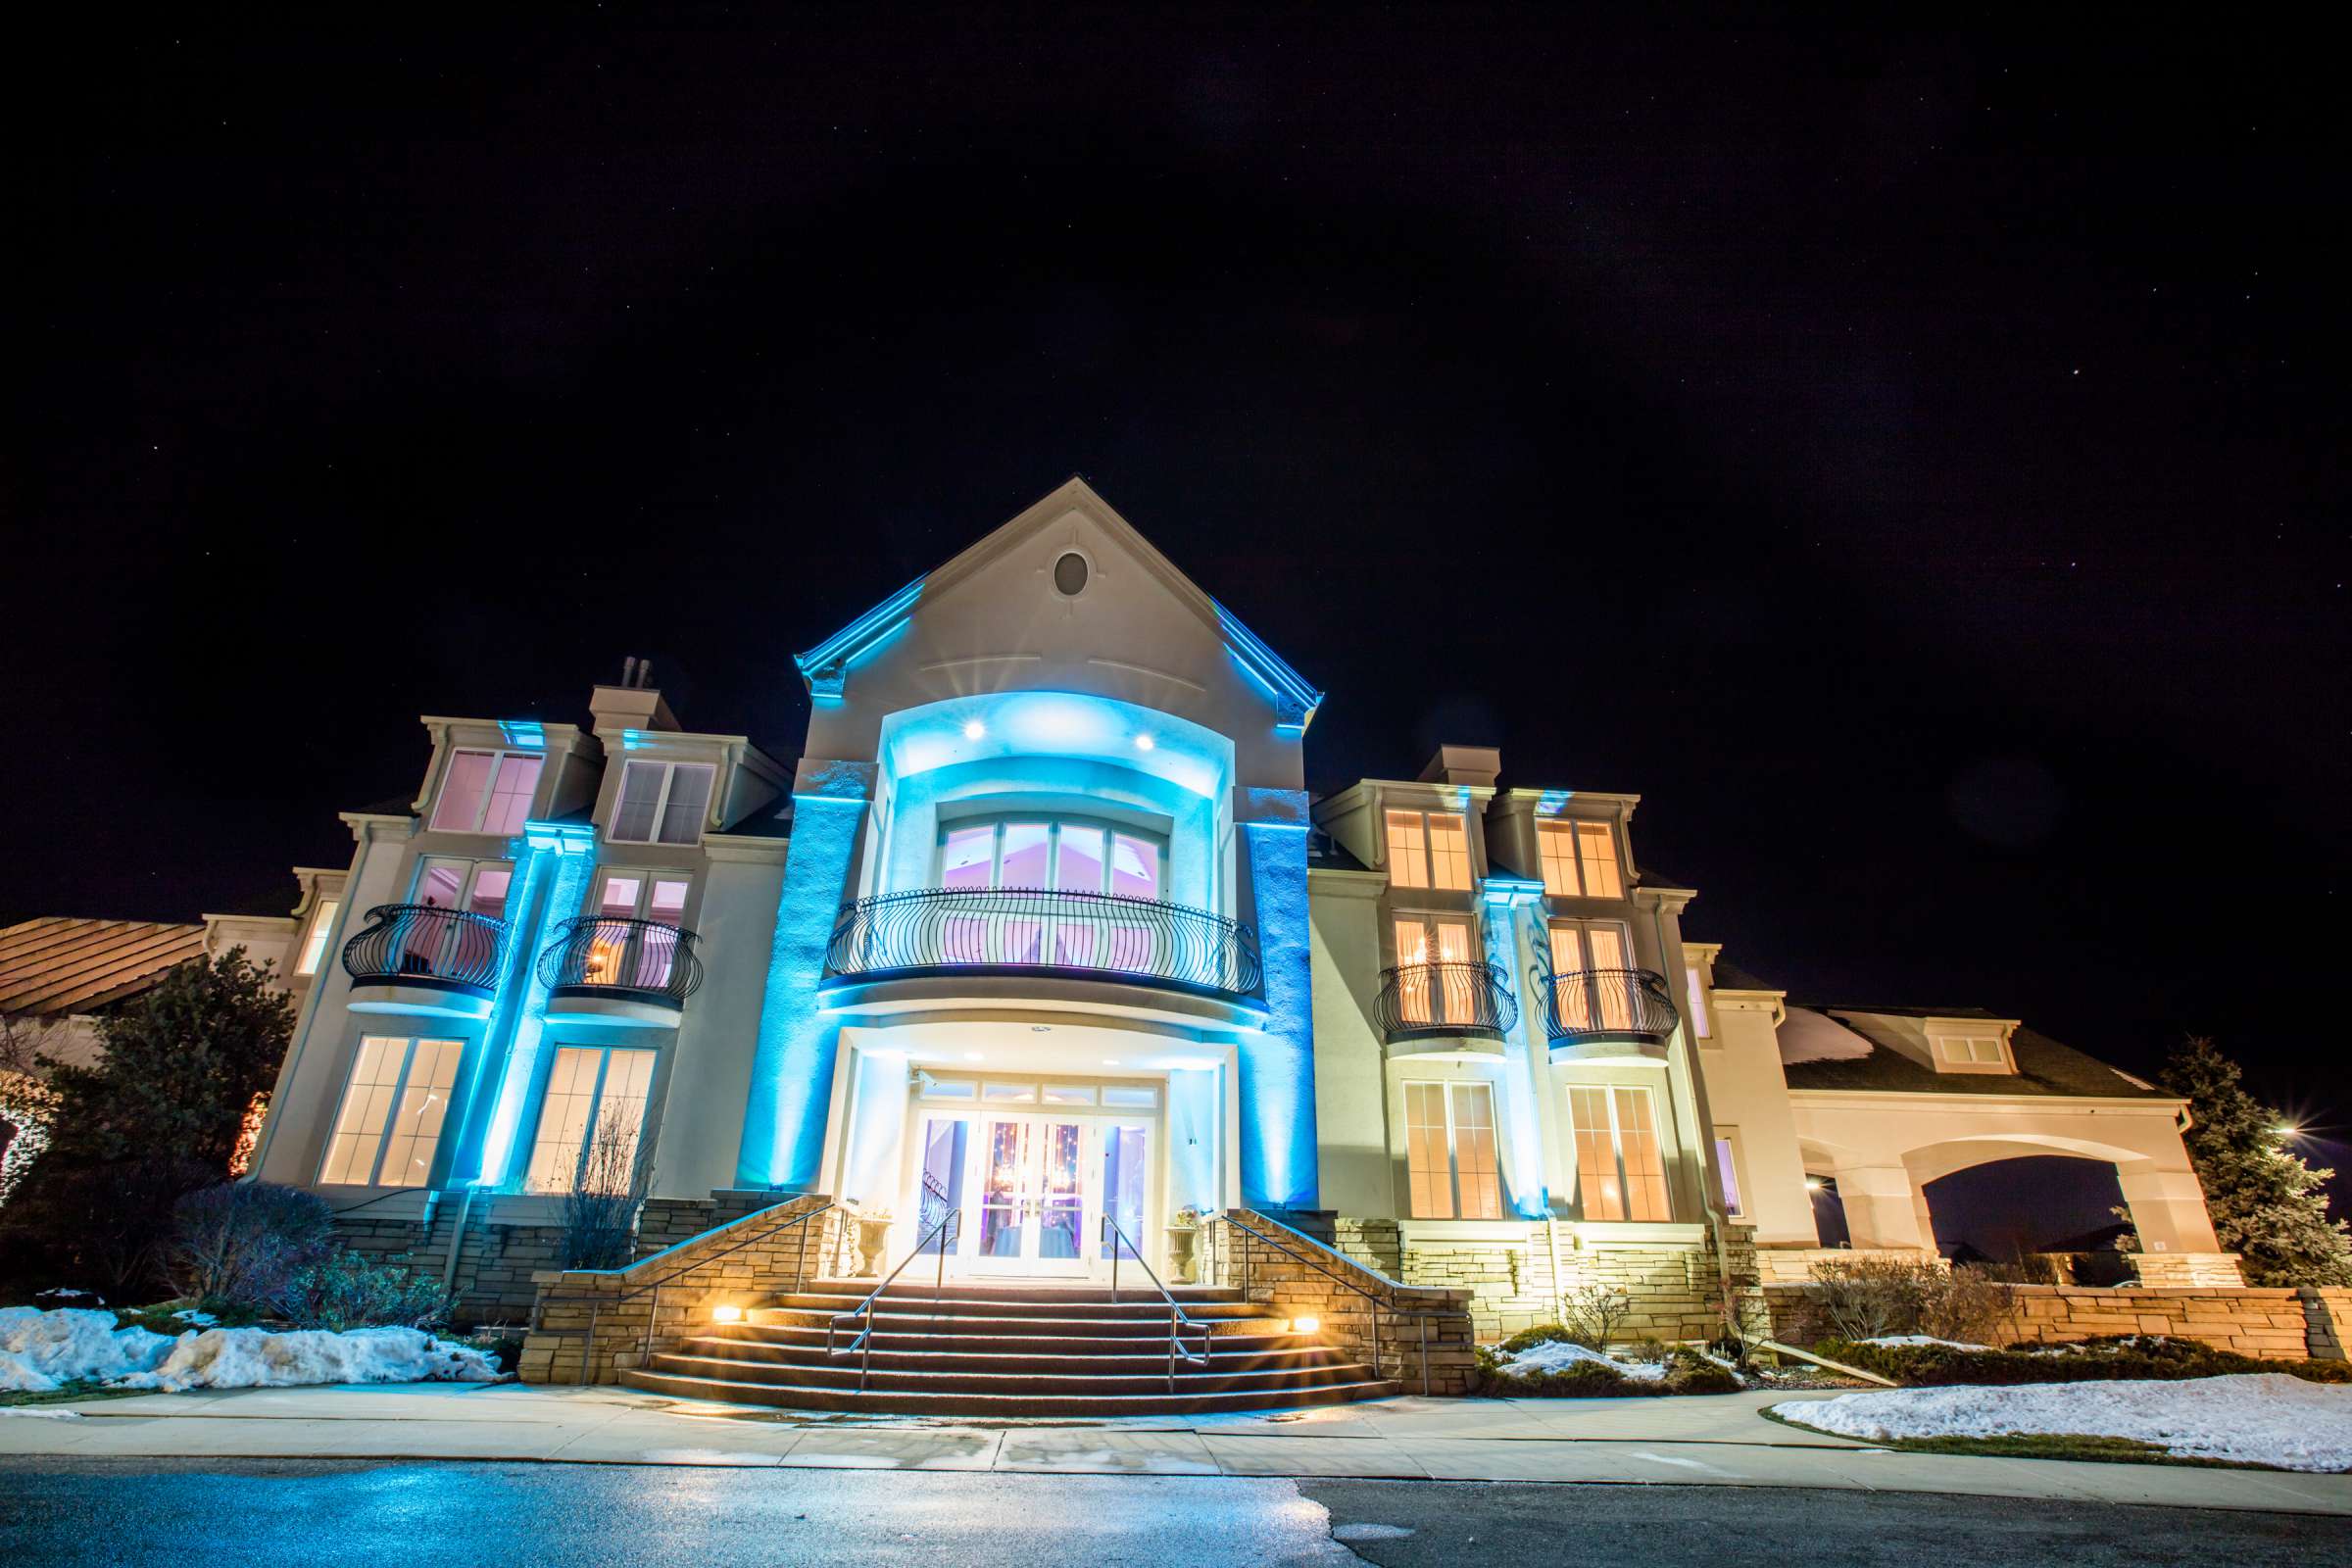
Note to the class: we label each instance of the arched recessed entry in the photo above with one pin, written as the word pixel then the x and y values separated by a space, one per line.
pixel 2005 1209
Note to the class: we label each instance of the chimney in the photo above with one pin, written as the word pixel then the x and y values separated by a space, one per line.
pixel 634 704
pixel 1470 766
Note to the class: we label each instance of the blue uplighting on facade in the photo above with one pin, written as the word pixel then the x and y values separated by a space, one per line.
pixel 826 665
pixel 553 862
pixel 1278 1059
pixel 527 733
pixel 1513 918
pixel 792 1064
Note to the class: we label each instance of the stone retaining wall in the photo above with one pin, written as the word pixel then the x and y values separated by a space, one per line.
pixel 1419 1335
pixel 1673 1290
pixel 589 1323
pixel 2269 1323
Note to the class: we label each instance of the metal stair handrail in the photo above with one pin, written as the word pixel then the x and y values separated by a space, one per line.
pixel 1176 1313
pixel 1346 1284
pixel 645 1342
pixel 947 1230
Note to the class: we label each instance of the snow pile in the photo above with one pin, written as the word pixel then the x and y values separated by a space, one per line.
pixel 41 1350
pixel 1554 1355
pixel 1809 1035
pixel 257 1358
pixel 1922 1339
pixel 2263 1418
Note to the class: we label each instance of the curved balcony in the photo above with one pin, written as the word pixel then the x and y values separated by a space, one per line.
pixel 1449 1009
pixel 423 958
pixel 600 970
pixel 957 935
pixel 1607 1012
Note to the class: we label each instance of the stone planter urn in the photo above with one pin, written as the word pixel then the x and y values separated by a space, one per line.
pixel 873 1235
pixel 1181 1241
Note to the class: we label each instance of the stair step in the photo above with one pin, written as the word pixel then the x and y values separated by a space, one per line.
pixel 1130 1289
pixel 807 1336
pixel 1127 1307
pixel 981 1355
pixel 929 1323
pixel 1001 1406
pixel 1042 1385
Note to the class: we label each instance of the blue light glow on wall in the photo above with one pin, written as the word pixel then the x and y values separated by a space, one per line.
pixel 827 666
pixel 1295 700
pixel 1512 907
pixel 1069 724
pixel 792 1064
pixel 1278 1060
pixel 527 733
pixel 1195 1119
pixel 553 863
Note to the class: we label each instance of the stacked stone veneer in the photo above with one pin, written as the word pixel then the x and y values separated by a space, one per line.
pixel 2280 1324
pixel 589 1323
pixel 498 1259
pixel 1673 1289
pixel 1421 1336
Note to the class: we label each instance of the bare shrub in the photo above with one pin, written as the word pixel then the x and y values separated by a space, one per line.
pixel 1870 1298
pixel 241 1242
pixel 1969 1306
pixel 600 1212
pixel 1593 1312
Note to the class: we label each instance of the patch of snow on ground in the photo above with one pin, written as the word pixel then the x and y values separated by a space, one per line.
pixel 202 1320
pixel 1809 1035
pixel 1922 1339
pixel 41 1350
pixel 2260 1419
pixel 1552 1356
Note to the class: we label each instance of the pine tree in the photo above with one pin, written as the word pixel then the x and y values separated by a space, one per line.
pixel 182 1065
pixel 2266 1205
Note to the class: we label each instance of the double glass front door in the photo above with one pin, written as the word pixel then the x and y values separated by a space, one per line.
pixel 1032 1187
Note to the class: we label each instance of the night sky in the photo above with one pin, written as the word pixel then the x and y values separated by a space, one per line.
pixel 1912 463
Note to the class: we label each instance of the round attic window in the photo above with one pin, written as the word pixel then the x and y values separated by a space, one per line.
pixel 1070 574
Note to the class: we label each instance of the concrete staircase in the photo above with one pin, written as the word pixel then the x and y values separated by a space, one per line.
pixel 998 1350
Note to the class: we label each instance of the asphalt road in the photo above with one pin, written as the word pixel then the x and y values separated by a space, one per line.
pixel 195 1514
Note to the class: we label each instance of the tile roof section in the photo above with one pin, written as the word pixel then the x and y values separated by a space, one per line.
pixel 54 966
pixel 2043 1065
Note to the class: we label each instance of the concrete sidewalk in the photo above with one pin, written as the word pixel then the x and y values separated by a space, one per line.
pixel 1711 1441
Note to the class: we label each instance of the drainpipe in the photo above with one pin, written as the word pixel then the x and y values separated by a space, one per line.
pixel 456 1240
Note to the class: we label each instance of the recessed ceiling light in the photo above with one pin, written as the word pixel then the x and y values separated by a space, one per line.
pixel 973 729
pixel 1143 743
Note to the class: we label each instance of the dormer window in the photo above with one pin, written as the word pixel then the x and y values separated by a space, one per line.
pixel 663 803
pixel 1429 850
pixel 487 792
pixel 1580 860
pixel 1970 1052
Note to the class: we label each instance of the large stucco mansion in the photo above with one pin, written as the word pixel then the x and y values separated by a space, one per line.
pixel 1043 931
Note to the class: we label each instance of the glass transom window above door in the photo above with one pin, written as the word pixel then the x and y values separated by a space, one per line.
pixel 1052 856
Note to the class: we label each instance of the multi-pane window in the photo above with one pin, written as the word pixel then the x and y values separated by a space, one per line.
pixel 663 803
pixel 1050 856
pixel 1067 856
pixel 1436 981
pixel 592 1119
pixel 1450 1150
pixel 313 941
pixel 1971 1051
pixel 623 952
pixel 487 792
pixel 1429 850
pixel 1699 1022
pixel 478 887
pixel 1620 1166
pixel 389 1124
pixel 1587 995
pixel 1579 860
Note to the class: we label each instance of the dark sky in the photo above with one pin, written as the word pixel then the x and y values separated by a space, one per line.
pixel 1912 462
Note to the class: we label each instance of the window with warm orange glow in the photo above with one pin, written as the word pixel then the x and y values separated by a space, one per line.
pixel 1428 994
pixel 1620 1164
pixel 1579 860
pixel 1450 1159
pixel 1583 955
pixel 1429 850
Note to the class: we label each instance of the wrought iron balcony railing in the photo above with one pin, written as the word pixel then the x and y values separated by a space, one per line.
pixel 641 960
pixel 1608 1004
pixel 952 931
pixel 1419 999
pixel 427 944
